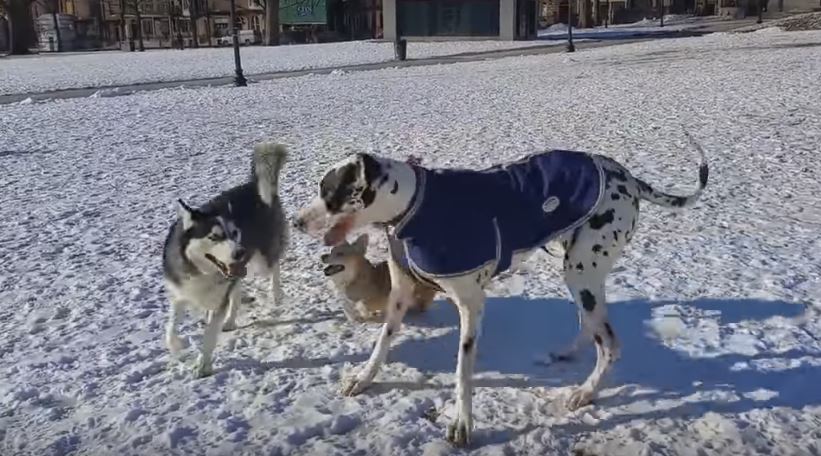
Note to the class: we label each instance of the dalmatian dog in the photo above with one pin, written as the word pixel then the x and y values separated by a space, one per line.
pixel 457 229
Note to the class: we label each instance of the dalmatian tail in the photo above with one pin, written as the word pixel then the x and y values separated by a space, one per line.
pixel 266 165
pixel 646 192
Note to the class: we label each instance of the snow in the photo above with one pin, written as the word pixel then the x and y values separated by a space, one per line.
pixel 718 308
pixel 672 23
pixel 95 69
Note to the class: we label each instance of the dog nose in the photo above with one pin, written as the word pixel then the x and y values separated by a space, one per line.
pixel 299 224
pixel 324 258
pixel 239 254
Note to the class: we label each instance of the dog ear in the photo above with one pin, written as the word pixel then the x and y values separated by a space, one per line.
pixel 361 243
pixel 188 214
pixel 369 167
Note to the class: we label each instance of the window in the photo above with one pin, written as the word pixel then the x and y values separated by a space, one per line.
pixel 448 17
pixel 148 28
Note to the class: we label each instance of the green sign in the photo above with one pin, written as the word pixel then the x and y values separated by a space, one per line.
pixel 292 12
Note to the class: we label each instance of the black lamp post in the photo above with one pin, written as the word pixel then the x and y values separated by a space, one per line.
pixel 239 79
pixel 761 4
pixel 661 12
pixel 570 47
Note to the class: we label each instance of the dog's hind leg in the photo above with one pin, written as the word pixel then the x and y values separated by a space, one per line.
pixel 590 257
pixel 172 340
pixel 401 296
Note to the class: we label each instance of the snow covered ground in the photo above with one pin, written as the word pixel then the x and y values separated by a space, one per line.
pixel 717 308
pixel 82 70
pixel 672 23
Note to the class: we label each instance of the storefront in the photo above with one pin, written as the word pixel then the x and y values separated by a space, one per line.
pixel 500 19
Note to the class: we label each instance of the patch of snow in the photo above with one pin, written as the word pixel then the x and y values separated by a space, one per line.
pixel 52 72
pixel 720 351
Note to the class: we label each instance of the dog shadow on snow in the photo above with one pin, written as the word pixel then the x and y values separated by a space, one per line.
pixel 517 331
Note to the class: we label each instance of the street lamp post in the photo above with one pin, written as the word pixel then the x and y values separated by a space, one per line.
pixel 239 79
pixel 761 4
pixel 570 46
pixel 661 12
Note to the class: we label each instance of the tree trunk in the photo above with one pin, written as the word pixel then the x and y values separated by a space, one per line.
pixel 596 13
pixel 584 13
pixel 139 26
pixel 208 30
pixel 272 22
pixel 56 27
pixel 194 13
pixel 21 26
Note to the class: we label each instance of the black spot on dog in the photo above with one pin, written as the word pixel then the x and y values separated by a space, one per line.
pixel 644 187
pixel 609 330
pixel 633 225
pixel 337 186
pixel 598 339
pixel 623 190
pixel 703 174
pixel 574 238
pixel 636 203
pixel 588 300
pixel 597 221
pixel 597 248
pixel 395 187
pixel 595 265
pixel 566 256
pixel 368 195
pixel 615 196
pixel 383 179
pixel 677 201
pixel 617 174
pixel 580 267
pixel 468 345
pixel 605 253
pixel 390 332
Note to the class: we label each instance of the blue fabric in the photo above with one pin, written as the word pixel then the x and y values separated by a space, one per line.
pixel 460 220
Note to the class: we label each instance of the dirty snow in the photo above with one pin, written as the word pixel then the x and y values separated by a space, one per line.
pixel 717 307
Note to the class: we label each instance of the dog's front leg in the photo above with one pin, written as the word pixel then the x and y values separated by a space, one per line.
pixel 235 301
pixel 470 300
pixel 209 338
pixel 276 285
pixel 400 298
pixel 172 340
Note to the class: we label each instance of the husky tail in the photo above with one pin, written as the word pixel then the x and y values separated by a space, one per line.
pixel 267 162
pixel 646 192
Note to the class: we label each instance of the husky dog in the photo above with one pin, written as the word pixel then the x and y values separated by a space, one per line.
pixel 208 249
pixel 460 228
pixel 360 281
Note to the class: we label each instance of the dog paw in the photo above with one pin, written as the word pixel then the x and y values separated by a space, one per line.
pixel 354 385
pixel 174 344
pixel 202 368
pixel 458 433
pixel 579 398
pixel 229 326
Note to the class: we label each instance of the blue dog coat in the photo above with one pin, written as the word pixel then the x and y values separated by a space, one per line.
pixel 462 220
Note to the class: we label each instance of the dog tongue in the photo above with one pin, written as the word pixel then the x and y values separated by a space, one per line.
pixel 338 232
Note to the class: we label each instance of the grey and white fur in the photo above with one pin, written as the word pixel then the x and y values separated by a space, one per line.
pixel 209 248
pixel 365 189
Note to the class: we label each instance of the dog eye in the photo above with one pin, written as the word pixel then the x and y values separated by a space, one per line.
pixel 216 237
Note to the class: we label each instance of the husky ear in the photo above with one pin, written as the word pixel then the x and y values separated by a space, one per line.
pixel 187 214
pixel 361 243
